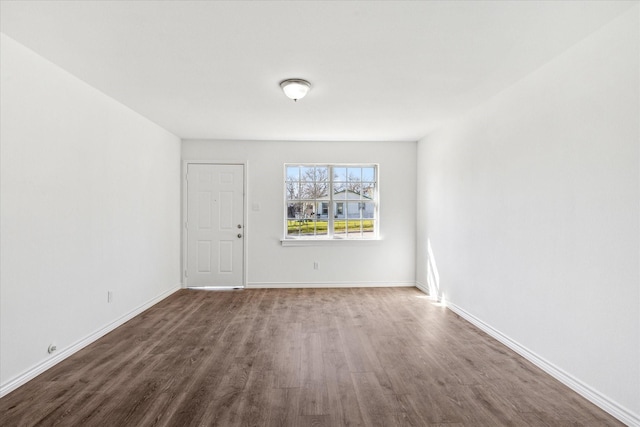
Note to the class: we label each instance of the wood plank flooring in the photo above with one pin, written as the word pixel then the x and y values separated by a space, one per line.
pixel 297 357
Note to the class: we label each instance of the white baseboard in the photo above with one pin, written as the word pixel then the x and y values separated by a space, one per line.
pixel 424 288
pixel 36 370
pixel 263 285
pixel 595 397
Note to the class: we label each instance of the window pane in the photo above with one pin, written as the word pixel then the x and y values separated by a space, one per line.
pixel 295 220
pixel 367 210
pixel 321 227
pixel 322 210
pixel 353 190
pixel 368 190
pixel 361 229
pixel 353 209
pixel 307 173
pixel 294 210
pixel 368 228
pixel 293 173
pixel 339 228
pixel 306 228
pixel 354 174
pixel 322 174
pixel 368 174
pixel 309 210
pixel 354 229
pixel 293 190
pixel 292 227
pixel 340 174
pixel 307 190
pixel 298 227
pixel 339 191
pixel 321 190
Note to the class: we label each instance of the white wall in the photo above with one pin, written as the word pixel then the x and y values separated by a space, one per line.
pixel 530 204
pixel 390 261
pixel 90 202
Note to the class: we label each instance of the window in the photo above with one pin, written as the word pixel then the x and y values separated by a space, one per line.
pixel 331 201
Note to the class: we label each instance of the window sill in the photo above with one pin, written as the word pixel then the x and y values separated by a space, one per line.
pixel 327 242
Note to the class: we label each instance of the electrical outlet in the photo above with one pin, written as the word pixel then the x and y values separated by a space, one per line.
pixel 315 265
pixel 109 296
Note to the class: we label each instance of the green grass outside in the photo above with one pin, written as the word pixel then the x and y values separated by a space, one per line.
pixel 320 227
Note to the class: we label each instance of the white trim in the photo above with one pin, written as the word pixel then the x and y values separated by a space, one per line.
pixel 36 370
pixel 589 393
pixel 263 285
pixel 423 288
pixel 327 242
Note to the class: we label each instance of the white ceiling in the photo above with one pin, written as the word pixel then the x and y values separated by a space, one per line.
pixel 380 70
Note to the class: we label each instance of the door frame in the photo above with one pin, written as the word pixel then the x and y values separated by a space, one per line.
pixel 183 215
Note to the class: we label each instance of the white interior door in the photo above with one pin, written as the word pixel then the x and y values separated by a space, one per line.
pixel 215 225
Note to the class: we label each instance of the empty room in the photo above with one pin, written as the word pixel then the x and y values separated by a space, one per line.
pixel 319 213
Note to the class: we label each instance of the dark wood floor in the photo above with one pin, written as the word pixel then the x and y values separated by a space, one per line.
pixel 297 357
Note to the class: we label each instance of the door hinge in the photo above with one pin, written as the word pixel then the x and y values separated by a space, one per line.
pixel 185 274
pixel 186 225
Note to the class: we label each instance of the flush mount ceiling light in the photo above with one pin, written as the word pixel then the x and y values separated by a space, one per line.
pixel 295 88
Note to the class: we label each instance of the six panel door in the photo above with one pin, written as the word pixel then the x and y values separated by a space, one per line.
pixel 215 225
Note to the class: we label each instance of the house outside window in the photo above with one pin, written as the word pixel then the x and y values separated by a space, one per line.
pixel 331 201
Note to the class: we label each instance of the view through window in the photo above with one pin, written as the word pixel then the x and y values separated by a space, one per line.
pixel 331 201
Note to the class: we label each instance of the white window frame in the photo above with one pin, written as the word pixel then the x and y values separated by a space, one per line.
pixel 330 238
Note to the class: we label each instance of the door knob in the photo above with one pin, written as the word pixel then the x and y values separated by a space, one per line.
pixel 239 226
pixel 239 235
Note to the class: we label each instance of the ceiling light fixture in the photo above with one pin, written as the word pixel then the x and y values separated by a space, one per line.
pixel 295 88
